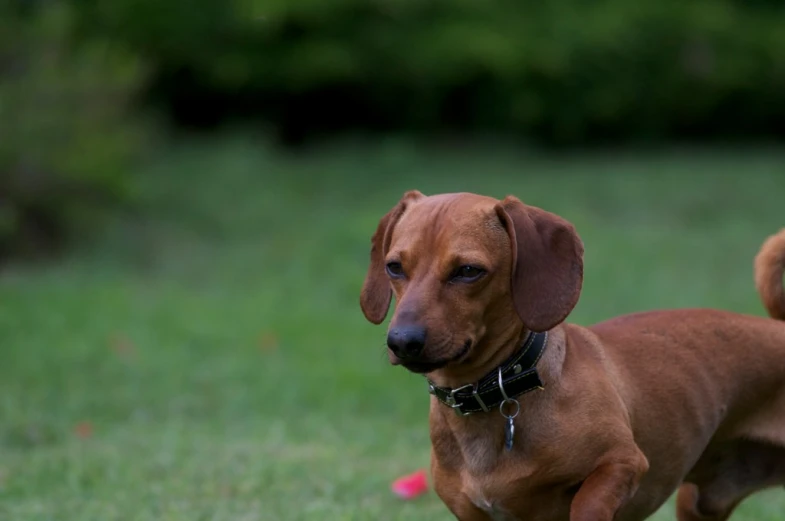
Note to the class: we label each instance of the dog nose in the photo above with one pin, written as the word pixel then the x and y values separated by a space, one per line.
pixel 406 341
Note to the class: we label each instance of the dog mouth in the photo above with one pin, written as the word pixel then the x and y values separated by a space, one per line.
pixel 424 367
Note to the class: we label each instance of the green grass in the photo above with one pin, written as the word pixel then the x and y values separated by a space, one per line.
pixel 218 351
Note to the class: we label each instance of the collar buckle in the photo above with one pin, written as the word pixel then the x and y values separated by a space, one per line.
pixel 452 402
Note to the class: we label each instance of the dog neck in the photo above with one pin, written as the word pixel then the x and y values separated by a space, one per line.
pixel 479 436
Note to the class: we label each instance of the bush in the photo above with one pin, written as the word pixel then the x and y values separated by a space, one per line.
pixel 564 70
pixel 65 142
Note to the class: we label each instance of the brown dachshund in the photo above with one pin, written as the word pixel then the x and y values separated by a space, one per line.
pixel 535 419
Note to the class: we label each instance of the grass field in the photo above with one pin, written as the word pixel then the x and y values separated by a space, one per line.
pixel 210 361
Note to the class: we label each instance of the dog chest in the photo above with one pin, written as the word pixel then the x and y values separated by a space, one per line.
pixel 493 510
pixel 480 491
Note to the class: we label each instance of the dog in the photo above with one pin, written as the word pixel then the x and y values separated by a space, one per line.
pixel 534 418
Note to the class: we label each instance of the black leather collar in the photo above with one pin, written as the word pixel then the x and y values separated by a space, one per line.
pixel 517 376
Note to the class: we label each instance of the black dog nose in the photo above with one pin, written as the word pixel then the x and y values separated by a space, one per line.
pixel 406 341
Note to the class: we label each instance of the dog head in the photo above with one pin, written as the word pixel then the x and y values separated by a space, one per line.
pixel 464 267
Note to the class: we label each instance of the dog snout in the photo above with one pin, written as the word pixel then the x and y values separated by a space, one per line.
pixel 406 341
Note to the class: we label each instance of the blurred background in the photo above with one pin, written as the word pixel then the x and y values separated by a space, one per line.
pixel 187 195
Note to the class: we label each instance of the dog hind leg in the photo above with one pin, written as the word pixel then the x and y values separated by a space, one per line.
pixel 724 477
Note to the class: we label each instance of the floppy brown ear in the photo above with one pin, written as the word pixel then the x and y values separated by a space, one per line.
pixel 547 265
pixel 376 292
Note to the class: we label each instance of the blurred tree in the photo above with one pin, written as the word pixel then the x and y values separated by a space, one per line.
pixel 66 140
pixel 565 71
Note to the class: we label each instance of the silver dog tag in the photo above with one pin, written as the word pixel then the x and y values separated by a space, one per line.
pixel 509 433
pixel 509 426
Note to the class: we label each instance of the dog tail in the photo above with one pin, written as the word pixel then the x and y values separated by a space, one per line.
pixel 769 268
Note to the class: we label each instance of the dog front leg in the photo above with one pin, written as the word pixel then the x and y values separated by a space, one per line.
pixel 608 488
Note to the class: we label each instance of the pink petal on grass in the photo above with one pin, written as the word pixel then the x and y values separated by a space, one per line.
pixel 411 485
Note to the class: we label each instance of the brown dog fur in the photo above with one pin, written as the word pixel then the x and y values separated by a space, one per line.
pixel 633 408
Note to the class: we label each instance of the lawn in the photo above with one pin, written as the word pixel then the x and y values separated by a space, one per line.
pixel 208 360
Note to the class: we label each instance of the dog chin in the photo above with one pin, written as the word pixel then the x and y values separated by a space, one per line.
pixel 423 367
pixel 418 366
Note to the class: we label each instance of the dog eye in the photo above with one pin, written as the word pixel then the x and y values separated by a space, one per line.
pixel 468 273
pixel 394 269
